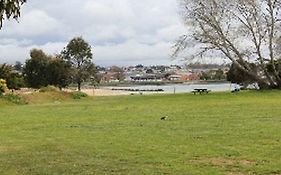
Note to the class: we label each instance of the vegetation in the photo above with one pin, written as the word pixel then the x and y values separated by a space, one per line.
pixel 10 9
pixel 236 75
pixel 3 86
pixel 213 75
pixel 79 95
pixel 48 89
pixel 199 65
pixel 42 70
pixel 36 68
pixel 79 55
pixel 74 65
pixel 218 133
pixel 244 32
pixel 13 98
pixel 13 78
pixel 59 72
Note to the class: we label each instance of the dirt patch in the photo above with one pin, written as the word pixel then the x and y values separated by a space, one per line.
pixel 221 162
pixel 235 173
pixel 230 165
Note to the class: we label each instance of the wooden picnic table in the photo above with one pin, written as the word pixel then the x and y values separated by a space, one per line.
pixel 200 91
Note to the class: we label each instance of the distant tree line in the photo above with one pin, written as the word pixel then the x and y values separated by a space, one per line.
pixel 73 65
pixel 199 65
pixel 218 75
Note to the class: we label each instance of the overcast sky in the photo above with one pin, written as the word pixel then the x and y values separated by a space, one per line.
pixel 121 32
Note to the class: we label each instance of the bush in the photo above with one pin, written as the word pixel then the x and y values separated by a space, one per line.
pixel 79 95
pixel 49 89
pixel 14 99
pixel 3 86
pixel 15 81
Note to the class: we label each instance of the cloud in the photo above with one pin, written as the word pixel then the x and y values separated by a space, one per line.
pixel 15 51
pixel 133 52
pixel 121 31
pixel 34 23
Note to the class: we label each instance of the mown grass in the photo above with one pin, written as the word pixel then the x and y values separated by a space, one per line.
pixel 218 133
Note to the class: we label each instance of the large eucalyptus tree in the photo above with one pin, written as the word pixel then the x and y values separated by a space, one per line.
pixel 10 9
pixel 78 54
pixel 241 31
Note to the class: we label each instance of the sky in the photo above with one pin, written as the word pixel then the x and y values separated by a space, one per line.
pixel 121 32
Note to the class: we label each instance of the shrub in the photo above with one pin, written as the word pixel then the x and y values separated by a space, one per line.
pixel 49 89
pixel 79 95
pixel 3 86
pixel 14 99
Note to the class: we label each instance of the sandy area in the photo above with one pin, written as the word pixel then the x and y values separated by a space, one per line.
pixel 108 92
pixel 104 92
pixel 93 92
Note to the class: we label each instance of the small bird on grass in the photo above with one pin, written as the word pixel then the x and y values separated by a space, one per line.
pixel 164 118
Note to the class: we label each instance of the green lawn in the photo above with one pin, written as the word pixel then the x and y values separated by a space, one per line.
pixel 218 133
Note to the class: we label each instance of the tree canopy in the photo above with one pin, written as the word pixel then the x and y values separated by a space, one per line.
pixel 10 9
pixel 35 69
pixel 241 31
pixel 78 54
pixel 13 79
pixel 42 70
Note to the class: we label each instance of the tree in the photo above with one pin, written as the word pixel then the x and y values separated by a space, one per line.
pixel 5 71
pixel 236 75
pixel 10 9
pixel 79 55
pixel 18 66
pixel 242 31
pixel 219 75
pixel 35 69
pixel 42 70
pixel 58 72
pixel 13 79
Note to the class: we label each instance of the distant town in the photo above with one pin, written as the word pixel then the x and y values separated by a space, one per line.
pixel 162 73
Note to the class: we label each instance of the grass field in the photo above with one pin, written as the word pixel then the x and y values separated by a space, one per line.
pixel 218 133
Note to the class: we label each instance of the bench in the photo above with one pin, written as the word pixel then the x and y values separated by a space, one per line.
pixel 200 91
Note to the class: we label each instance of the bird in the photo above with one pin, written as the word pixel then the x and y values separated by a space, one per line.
pixel 164 118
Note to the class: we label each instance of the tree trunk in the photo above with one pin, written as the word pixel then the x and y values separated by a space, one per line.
pixel 79 86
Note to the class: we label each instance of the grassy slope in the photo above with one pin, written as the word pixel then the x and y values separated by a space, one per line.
pixel 208 134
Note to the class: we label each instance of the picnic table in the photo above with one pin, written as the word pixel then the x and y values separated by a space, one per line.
pixel 200 91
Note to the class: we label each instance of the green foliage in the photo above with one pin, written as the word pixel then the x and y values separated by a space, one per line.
pixel 18 66
pixel 5 71
pixel 79 95
pixel 42 70
pixel 276 65
pixel 236 75
pixel 59 72
pixel 13 79
pixel 36 68
pixel 213 75
pixel 78 53
pixel 13 98
pixel 10 9
pixel 219 75
pixel 3 86
pixel 48 89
